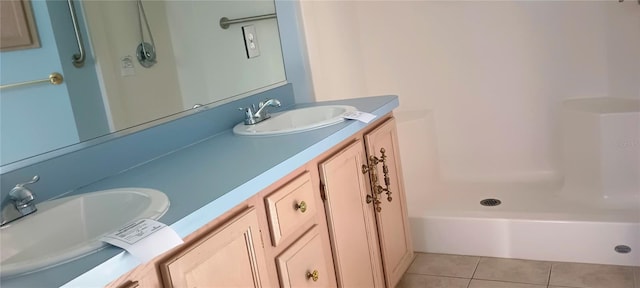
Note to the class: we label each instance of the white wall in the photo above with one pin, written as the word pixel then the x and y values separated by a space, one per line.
pixel 198 61
pixel 212 63
pixel 480 82
pixel 148 94
pixel 333 45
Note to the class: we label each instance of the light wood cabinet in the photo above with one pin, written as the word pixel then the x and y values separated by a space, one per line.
pixel 231 256
pixel 393 225
pixel 369 230
pixel 344 235
pixel 304 264
pixel 290 207
pixel 17 25
pixel 298 226
pixel 351 219
pixel 230 251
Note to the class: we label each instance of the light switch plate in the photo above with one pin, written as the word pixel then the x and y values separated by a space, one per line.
pixel 251 41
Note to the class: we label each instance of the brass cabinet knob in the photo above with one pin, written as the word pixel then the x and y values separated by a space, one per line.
pixel 313 276
pixel 302 206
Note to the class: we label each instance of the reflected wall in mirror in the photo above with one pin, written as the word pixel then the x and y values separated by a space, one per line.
pixel 198 62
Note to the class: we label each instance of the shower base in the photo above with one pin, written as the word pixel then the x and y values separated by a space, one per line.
pixel 532 222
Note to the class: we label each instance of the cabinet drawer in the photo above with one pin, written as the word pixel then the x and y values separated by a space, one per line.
pixel 305 264
pixel 290 207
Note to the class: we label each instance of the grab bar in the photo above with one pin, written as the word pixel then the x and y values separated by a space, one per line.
pixel 78 59
pixel 55 78
pixel 226 22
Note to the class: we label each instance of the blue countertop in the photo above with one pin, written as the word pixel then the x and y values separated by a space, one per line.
pixel 203 181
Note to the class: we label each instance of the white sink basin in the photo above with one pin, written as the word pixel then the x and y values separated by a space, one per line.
pixel 68 228
pixel 297 120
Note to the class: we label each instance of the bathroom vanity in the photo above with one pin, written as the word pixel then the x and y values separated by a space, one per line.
pixel 320 226
pixel 286 209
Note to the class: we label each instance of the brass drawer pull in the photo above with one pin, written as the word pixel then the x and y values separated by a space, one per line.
pixel 302 206
pixel 130 284
pixel 313 276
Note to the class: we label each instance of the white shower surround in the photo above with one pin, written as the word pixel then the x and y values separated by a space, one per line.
pixel 578 216
pixel 480 88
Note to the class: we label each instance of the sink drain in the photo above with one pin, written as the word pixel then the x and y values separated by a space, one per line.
pixel 622 249
pixel 490 202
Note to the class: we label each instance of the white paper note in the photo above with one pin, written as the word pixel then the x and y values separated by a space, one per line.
pixel 144 239
pixel 360 116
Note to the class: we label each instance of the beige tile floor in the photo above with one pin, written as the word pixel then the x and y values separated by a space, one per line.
pixel 456 271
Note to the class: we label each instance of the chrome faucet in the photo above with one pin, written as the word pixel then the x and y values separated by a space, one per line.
pixel 18 203
pixel 261 114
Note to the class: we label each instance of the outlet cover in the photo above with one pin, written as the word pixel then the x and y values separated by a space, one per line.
pixel 126 66
pixel 251 41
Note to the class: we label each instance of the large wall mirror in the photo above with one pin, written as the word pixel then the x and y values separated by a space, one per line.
pixel 197 62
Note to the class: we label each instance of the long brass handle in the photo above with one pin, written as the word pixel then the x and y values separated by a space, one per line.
pixel 373 178
pixel 385 171
pixel 313 275
pixel 302 206
pixel 372 169
pixel 55 78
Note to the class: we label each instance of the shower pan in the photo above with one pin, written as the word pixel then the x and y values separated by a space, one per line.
pixel 588 212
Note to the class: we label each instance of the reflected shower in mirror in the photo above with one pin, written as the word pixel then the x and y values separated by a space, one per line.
pixel 196 63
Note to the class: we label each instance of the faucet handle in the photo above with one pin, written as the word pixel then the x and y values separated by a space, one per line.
pixel 247 110
pixel 22 195
pixel 33 180
pixel 248 114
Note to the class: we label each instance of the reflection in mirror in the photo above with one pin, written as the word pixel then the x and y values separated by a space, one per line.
pixel 198 62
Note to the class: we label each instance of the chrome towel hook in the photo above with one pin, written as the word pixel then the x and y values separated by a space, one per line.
pixel 146 52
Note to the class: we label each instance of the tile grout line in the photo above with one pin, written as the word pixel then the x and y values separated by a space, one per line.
pixel 474 271
pixel 521 283
pixel 431 275
pixel 550 271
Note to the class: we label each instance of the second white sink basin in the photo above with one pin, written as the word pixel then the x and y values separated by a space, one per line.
pixel 296 120
pixel 68 228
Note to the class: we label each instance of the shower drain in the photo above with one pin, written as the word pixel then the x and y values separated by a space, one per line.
pixel 490 202
pixel 622 249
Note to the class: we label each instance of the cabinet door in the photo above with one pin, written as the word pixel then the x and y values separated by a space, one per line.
pixel 230 256
pixel 304 264
pixel 350 219
pixel 17 29
pixel 393 227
